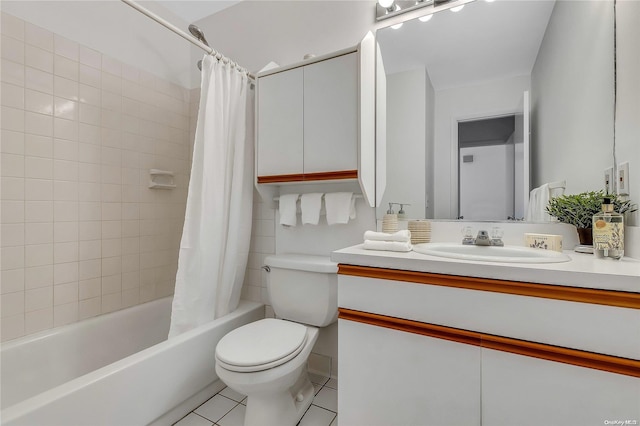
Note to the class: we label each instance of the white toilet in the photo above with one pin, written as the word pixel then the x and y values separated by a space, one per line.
pixel 267 359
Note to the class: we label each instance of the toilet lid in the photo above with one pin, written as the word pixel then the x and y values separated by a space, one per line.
pixel 261 345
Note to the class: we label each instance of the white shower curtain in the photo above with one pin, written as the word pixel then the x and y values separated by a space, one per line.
pixel 217 228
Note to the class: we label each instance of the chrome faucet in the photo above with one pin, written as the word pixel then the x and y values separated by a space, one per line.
pixel 483 239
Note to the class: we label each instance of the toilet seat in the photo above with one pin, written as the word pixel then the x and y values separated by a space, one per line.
pixel 261 345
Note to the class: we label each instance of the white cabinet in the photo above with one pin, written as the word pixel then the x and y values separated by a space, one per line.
pixel 331 115
pixel 280 123
pixel 308 119
pixel 521 390
pixel 390 377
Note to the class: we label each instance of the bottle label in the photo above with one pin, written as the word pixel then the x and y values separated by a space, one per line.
pixel 608 236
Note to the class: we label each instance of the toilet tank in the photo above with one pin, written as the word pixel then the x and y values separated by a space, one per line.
pixel 303 288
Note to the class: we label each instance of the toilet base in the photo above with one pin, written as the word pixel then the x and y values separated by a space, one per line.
pixel 284 408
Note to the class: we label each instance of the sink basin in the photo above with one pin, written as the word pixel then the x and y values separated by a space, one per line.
pixel 507 254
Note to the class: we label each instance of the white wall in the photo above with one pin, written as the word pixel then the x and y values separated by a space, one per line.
pixel 572 142
pixel 117 30
pixel 628 118
pixel 493 98
pixel 407 142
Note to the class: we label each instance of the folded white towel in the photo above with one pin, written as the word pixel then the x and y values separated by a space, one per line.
pixel 310 206
pixel 287 207
pixel 402 236
pixel 387 245
pixel 340 206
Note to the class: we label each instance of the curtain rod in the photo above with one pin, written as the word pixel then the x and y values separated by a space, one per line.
pixel 185 36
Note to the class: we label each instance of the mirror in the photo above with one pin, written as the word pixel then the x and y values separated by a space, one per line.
pixel 478 63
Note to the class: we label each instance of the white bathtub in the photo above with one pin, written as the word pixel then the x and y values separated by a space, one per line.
pixel 115 369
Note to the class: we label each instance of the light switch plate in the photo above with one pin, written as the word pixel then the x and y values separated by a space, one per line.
pixel 608 180
pixel 623 178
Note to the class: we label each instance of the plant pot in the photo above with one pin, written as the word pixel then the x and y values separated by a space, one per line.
pixel 586 236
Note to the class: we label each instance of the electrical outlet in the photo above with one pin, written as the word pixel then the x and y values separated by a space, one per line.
pixel 608 180
pixel 623 178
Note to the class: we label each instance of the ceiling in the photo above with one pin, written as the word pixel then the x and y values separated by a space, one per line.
pixel 484 41
pixel 194 10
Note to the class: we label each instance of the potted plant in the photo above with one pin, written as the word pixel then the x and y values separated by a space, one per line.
pixel 578 210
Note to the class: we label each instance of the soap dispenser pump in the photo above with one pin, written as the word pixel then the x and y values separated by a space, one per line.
pixel 390 221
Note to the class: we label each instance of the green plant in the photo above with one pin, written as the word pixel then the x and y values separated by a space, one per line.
pixel 578 209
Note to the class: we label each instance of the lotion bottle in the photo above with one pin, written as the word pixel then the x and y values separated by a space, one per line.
pixel 608 232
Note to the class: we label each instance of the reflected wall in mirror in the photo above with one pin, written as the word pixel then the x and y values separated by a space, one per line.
pixel 478 63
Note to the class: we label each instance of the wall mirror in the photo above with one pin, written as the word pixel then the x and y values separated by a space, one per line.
pixel 538 73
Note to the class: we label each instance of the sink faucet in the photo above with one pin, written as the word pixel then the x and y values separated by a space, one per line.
pixel 483 239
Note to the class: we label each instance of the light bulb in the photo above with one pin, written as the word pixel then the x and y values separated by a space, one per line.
pixel 457 8
pixel 386 3
pixel 397 26
pixel 425 18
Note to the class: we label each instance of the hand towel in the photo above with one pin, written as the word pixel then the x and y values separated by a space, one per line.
pixel 401 236
pixel 287 207
pixel 387 245
pixel 310 205
pixel 340 207
pixel 537 209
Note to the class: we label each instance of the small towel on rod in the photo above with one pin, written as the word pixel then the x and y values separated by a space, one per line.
pixel 310 205
pixel 538 201
pixel 401 236
pixel 340 206
pixel 387 245
pixel 288 207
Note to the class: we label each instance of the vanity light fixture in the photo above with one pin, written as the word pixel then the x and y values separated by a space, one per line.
pixel 411 9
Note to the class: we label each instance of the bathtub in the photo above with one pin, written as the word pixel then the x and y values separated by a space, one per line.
pixel 115 369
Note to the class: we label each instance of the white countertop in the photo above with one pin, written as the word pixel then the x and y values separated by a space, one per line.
pixel 583 270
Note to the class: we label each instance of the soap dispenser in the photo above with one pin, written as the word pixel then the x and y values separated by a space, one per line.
pixel 390 221
pixel 608 232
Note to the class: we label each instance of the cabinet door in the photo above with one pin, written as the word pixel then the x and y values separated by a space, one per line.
pixel 390 377
pixel 331 115
pixel 521 390
pixel 280 123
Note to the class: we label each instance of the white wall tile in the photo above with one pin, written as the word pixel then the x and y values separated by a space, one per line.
pixel 89 289
pixel 65 314
pixel 65 129
pixel 111 247
pixel 90 230
pixel 12 26
pixel 13 119
pixel 12 303
pixel 38 58
pixel 90 211
pixel 38 211
pixel 39 298
pixel 38 124
pixel 12 188
pixel 66 68
pixel 12 95
pixel 111 284
pixel 88 191
pixel 13 72
pixel 12 327
pixel 12 142
pixel 13 165
pixel 90 95
pixel 38 146
pixel 90 76
pixel 65 191
pixel 89 308
pixel 67 109
pixel 12 212
pixel 39 233
pixel 65 47
pixel 12 257
pixel 65 273
pixel 90 249
pixel 65 88
pixel 38 167
pixel 38 36
pixel 65 231
pixel 66 150
pixel 65 252
pixel 90 57
pixel 65 211
pixel 39 80
pixel 38 189
pixel 13 49
pixel 38 320
pixel 65 170
pixel 90 269
pixel 111 302
pixel 38 255
pixel 65 293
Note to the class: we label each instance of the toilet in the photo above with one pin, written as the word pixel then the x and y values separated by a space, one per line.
pixel 267 359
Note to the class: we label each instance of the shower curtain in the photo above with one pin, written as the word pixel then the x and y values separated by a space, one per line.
pixel 217 228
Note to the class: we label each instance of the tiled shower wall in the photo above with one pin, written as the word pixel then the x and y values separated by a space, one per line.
pixel 82 234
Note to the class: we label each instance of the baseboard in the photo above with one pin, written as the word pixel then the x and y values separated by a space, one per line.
pixel 188 405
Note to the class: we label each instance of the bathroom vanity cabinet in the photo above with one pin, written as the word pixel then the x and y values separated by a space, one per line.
pixel 315 120
pixel 420 345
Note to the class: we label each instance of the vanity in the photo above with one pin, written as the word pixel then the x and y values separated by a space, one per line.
pixel 426 340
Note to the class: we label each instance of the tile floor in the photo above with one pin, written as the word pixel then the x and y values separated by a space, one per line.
pixel 226 408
